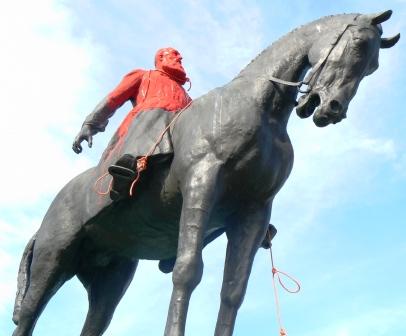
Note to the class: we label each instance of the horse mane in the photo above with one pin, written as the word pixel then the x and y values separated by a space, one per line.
pixel 294 31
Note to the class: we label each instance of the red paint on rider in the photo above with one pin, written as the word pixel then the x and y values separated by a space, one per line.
pixel 147 90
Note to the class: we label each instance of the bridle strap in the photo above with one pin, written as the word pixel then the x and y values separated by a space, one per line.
pixel 323 61
pixel 315 70
pixel 294 84
pixel 284 82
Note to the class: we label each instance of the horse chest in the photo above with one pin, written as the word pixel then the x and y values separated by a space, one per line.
pixel 262 169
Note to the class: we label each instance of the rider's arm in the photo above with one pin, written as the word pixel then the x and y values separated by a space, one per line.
pixel 124 91
pixel 97 121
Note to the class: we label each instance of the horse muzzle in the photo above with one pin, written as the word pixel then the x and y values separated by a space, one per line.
pixel 307 104
pixel 329 112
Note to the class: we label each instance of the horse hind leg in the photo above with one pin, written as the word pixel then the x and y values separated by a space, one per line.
pixel 50 267
pixel 23 278
pixel 105 286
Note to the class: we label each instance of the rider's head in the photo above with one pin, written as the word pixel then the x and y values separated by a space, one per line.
pixel 169 60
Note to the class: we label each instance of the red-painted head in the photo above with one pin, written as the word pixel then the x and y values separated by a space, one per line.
pixel 169 60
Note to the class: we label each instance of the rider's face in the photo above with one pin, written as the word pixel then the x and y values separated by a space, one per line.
pixel 171 60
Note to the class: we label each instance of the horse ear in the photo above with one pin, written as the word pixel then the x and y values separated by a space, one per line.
pixel 389 42
pixel 380 17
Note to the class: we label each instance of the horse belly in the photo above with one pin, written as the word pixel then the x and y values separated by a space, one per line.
pixel 145 226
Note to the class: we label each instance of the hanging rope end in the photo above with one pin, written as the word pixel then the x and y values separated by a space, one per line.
pixel 141 166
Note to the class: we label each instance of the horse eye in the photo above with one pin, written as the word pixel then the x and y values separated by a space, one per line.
pixel 359 43
pixel 360 46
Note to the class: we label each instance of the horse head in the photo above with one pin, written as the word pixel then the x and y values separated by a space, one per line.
pixel 339 62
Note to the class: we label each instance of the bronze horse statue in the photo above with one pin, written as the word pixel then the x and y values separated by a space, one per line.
pixel 232 154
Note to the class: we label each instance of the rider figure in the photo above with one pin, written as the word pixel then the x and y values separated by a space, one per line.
pixel 146 89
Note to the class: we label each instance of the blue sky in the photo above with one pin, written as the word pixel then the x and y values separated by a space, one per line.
pixel 341 215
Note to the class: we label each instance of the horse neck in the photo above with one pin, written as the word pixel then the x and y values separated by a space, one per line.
pixel 286 59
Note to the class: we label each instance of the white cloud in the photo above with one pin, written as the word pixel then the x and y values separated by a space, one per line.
pixel 229 44
pixel 216 39
pixel 378 322
pixel 13 236
pixel 45 71
pixel 330 171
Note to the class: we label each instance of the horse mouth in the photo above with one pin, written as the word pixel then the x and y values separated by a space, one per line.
pixel 307 104
pixel 321 120
pixel 329 113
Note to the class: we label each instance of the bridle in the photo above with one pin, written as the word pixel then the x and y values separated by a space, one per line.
pixel 315 70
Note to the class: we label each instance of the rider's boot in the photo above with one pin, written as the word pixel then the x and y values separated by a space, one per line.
pixel 124 173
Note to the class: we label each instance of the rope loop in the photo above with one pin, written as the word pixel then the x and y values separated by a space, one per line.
pixel 277 273
pixel 98 191
pixel 292 291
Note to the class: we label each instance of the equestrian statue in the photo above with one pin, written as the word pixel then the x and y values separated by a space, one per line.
pixel 169 182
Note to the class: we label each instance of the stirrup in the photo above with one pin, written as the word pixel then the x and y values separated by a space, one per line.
pixel 122 172
pixel 122 179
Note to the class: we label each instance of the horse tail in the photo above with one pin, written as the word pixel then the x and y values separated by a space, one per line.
pixel 23 279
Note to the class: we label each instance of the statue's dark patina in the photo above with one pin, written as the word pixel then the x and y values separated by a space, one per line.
pixel 232 155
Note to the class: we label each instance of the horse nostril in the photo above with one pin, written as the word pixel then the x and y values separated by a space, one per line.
pixel 335 106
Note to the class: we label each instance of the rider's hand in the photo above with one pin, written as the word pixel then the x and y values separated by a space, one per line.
pixel 86 133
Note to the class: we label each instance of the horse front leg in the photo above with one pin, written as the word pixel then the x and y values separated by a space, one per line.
pixel 199 192
pixel 245 236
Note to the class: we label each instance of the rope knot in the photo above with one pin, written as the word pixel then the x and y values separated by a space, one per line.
pixel 142 163
pixel 141 166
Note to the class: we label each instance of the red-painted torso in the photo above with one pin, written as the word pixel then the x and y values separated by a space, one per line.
pixel 147 90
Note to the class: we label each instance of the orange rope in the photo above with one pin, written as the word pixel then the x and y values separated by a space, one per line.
pixel 142 161
pixel 159 139
pixel 102 193
pixel 276 272
pixel 141 166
